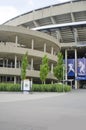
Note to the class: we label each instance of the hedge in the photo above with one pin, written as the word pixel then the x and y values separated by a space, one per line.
pixel 36 87
pixel 50 88
pixel 10 87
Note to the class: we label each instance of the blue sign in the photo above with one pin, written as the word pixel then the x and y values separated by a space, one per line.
pixel 81 78
pixel 81 67
pixel 71 67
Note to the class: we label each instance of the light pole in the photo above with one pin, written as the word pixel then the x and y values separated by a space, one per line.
pixel 63 77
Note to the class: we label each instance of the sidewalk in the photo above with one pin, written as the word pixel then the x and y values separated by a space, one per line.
pixel 21 96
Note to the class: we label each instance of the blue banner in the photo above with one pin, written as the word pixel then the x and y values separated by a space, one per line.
pixel 71 67
pixel 81 67
pixel 81 78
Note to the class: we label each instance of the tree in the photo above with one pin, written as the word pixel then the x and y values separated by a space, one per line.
pixel 24 65
pixel 58 69
pixel 44 69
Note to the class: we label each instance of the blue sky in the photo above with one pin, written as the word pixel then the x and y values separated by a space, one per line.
pixel 12 8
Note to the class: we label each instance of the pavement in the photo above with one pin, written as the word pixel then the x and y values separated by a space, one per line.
pixel 24 96
pixel 43 111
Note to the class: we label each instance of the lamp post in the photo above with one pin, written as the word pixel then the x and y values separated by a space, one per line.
pixel 63 77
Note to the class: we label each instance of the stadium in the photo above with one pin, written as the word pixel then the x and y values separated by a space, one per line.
pixel 46 31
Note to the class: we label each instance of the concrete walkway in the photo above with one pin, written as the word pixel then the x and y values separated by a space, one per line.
pixel 23 96
pixel 43 111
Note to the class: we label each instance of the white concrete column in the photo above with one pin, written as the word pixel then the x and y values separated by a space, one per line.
pixel 3 63
pixel 55 53
pixel 19 64
pixel 15 61
pixel 45 47
pixel 52 68
pixel 31 63
pixel 6 62
pixel 58 35
pixel 75 35
pixel 32 44
pixel 14 79
pixel 76 68
pixel 52 50
pixel 16 40
pixel 52 82
pixel 66 64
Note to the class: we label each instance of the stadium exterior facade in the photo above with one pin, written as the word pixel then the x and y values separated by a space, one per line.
pixel 66 25
pixel 15 42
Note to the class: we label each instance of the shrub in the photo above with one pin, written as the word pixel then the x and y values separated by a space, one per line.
pixel 50 88
pixel 59 88
pixel 10 87
pixel 67 88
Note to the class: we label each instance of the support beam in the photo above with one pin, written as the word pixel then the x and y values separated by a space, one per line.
pixel 15 61
pixel 52 50
pixel 35 23
pixel 19 64
pixel 58 34
pixel 45 47
pixel 53 20
pixel 3 62
pixel 6 62
pixel 14 79
pixel 31 63
pixel 66 64
pixel 16 40
pixel 52 68
pixel 75 68
pixel 72 17
pixel 32 44
pixel 71 13
pixel 52 82
pixel 75 35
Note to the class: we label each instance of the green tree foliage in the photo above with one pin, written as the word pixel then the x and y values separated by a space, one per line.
pixel 58 69
pixel 44 69
pixel 24 65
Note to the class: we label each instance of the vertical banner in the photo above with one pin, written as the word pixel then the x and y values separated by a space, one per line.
pixel 81 70
pixel 71 67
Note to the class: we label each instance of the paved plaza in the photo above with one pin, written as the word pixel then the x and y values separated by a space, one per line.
pixel 43 111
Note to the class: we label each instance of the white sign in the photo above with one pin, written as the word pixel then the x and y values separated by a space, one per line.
pixel 26 85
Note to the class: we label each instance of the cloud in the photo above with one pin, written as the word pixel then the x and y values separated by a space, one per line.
pixel 30 3
pixel 7 12
pixel 63 0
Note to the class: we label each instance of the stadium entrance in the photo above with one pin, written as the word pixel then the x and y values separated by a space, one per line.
pixel 75 63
